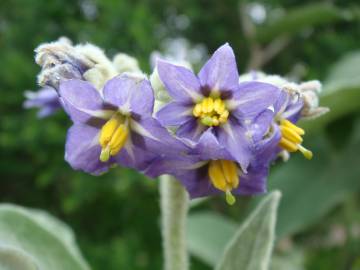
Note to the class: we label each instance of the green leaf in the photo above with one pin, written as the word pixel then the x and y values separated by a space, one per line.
pixel 33 238
pixel 251 247
pixel 203 241
pixel 294 260
pixel 15 259
pixel 300 18
pixel 341 91
pixel 312 188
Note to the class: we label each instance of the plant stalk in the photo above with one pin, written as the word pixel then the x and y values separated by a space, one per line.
pixel 174 208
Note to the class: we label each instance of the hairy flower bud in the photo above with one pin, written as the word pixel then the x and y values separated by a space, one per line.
pixel 60 60
pixel 310 91
pixel 125 63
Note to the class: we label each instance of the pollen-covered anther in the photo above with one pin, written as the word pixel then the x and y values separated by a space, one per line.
pixel 291 138
pixel 113 137
pixel 211 112
pixel 224 176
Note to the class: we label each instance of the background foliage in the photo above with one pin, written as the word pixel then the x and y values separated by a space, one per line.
pixel 116 216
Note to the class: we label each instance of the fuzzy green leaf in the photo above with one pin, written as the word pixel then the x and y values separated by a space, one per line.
pixel 203 242
pixel 15 259
pixel 32 239
pixel 309 192
pixel 252 245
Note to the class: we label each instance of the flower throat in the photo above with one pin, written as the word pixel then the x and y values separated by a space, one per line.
pixel 211 112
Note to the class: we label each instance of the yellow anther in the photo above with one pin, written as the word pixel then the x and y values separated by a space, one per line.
pixel 207 105
pixel 219 106
pixel 290 134
pixel 230 173
pixel 287 123
pixel 107 131
pixel 197 110
pixel 212 112
pixel 216 175
pixel 118 139
pixel 215 121
pixel 291 138
pixel 288 145
pixel 223 174
pixel 224 116
pixel 113 137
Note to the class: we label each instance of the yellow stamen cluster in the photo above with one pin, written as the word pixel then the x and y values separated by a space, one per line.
pixel 291 138
pixel 224 176
pixel 113 137
pixel 212 112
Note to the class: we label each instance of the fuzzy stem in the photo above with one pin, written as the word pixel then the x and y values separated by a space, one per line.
pixel 174 208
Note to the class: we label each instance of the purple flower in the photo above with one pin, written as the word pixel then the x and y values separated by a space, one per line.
pixel 210 169
pixel 226 123
pixel 114 126
pixel 214 101
pixel 46 99
pixel 288 109
pixel 288 112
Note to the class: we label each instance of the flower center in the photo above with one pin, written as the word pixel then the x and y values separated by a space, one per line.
pixel 113 136
pixel 291 138
pixel 212 112
pixel 224 176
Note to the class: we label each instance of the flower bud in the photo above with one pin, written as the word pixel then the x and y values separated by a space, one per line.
pixel 59 60
pixel 125 63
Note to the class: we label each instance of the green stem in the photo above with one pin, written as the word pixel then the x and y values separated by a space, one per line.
pixel 174 208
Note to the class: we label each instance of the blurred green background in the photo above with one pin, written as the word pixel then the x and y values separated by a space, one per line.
pixel 116 216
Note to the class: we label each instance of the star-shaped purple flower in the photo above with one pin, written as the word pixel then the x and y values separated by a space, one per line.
pixel 113 126
pixel 214 100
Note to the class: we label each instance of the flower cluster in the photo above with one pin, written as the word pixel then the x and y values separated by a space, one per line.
pixel 215 131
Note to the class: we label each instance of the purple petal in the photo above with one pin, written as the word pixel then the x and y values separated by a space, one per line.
pixel 130 94
pixel 220 71
pixel 254 182
pixel 191 130
pixel 176 164
pixel 46 99
pixel 80 100
pixel 252 98
pixel 47 111
pixel 174 114
pixel 293 111
pixel 208 147
pixel 233 137
pixel 180 82
pixel 148 134
pixel 41 97
pixel 267 149
pixel 197 183
pixel 82 149
pixel 282 102
pixel 261 124
pixel 135 157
